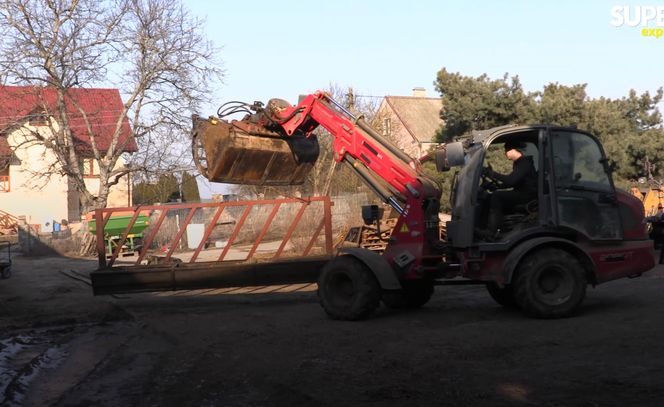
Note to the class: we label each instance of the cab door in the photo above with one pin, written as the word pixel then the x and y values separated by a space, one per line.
pixel 584 193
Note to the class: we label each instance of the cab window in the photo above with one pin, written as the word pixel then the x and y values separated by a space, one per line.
pixel 578 162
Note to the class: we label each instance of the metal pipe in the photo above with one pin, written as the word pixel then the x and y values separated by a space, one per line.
pixel 291 228
pixel 148 241
pixel 368 178
pixel 379 190
pixel 181 231
pixel 123 238
pixel 236 231
pixel 206 275
pixel 342 108
pixel 101 246
pixel 102 216
pixel 327 215
pixel 266 226
pixel 314 237
pixel 208 232
pixel 362 124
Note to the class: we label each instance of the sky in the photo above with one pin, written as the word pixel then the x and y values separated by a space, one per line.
pixel 281 49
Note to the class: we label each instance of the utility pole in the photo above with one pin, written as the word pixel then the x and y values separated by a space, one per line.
pixel 350 99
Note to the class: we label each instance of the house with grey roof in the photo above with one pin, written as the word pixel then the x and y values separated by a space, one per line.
pixel 410 122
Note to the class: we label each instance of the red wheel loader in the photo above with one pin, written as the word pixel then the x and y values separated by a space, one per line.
pixel 580 229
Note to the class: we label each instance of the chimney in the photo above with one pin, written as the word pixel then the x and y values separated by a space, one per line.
pixel 419 92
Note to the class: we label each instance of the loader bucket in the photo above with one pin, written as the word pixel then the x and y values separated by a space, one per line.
pixel 240 152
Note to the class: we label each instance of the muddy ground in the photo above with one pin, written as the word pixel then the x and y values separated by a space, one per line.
pixel 61 346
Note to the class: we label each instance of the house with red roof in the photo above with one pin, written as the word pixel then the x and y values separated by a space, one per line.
pixel 410 122
pixel 31 183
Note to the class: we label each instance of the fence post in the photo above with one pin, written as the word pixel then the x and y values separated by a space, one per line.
pixel 101 247
pixel 327 214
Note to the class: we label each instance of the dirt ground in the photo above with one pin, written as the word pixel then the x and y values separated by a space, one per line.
pixel 61 346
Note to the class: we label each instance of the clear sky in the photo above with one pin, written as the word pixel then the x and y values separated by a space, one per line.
pixel 280 49
pixel 286 48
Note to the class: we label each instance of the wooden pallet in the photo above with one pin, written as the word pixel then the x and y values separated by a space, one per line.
pixel 367 237
pixel 8 223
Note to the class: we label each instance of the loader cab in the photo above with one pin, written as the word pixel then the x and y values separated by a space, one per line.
pixel 525 213
pixel 584 198
pixel 575 199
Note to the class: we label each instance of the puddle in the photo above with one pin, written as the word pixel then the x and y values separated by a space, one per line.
pixel 9 349
pixel 23 358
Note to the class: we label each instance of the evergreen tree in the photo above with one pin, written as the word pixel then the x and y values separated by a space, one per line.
pixel 630 128
pixel 190 188
pixel 480 103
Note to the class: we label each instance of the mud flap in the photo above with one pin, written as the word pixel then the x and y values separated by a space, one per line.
pixel 378 266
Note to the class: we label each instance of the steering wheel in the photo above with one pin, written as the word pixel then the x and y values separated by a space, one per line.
pixel 489 183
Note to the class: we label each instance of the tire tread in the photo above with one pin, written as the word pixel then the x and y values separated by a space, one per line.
pixel 525 272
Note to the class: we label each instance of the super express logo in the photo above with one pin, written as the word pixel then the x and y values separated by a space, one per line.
pixel 649 18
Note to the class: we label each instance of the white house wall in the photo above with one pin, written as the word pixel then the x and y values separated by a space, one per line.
pixel 41 200
pixel 119 194
pixel 44 200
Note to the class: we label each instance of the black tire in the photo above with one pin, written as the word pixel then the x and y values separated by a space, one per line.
pixel 502 295
pixel 550 283
pixel 347 289
pixel 414 294
pixel 6 272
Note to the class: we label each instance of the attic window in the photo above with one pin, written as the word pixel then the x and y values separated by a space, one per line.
pixel 387 126
pixel 38 119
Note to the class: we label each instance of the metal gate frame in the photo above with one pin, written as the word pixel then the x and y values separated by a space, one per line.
pixel 103 215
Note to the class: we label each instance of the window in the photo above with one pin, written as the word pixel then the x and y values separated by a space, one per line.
pixel 4 179
pixel 387 126
pixel 38 119
pixel 89 168
pixel 578 162
pixel 585 195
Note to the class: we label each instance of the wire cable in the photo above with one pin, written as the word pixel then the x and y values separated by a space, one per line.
pixel 233 107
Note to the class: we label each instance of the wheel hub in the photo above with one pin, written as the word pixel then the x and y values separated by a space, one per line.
pixel 554 286
pixel 342 288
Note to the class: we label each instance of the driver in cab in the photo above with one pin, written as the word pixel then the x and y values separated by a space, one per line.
pixel 522 181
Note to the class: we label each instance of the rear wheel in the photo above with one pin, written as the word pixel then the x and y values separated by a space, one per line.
pixel 347 289
pixel 502 295
pixel 413 294
pixel 6 272
pixel 550 283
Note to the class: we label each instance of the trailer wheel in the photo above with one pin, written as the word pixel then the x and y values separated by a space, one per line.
pixel 347 289
pixel 550 283
pixel 414 294
pixel 502 295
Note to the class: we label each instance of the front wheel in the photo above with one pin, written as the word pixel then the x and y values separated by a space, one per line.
pixel 549 283
pixel 502 295
pixel 413 294
pixel 347 289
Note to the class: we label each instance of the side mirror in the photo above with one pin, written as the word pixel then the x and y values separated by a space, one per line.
pixel 451 155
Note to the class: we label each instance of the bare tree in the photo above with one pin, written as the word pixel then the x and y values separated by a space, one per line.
pixel 152 50
pixel 327 175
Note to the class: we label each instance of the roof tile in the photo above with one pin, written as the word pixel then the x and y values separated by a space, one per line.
pixel 419 115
